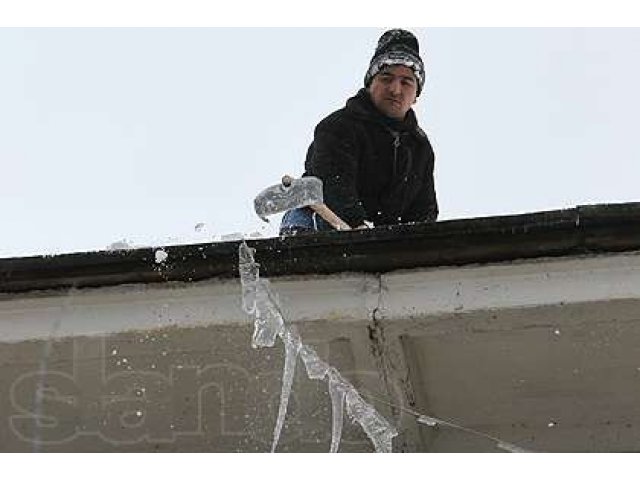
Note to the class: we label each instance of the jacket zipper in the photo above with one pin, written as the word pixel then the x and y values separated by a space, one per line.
pixel 396 144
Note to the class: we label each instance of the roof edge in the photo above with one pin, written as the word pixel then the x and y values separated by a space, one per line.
pixel 577 231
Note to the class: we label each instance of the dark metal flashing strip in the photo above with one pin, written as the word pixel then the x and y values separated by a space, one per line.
pixel 577 231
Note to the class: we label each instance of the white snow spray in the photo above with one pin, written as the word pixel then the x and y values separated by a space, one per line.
pixel 259 301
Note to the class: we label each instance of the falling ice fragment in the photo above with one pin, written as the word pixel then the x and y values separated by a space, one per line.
pixel 291 348
pixel 374 425
pixel 249 275
pixel 249 268
pixel 316 368
pixel 258 300
pixel 337 390
pixel 268 321
pixel 161 255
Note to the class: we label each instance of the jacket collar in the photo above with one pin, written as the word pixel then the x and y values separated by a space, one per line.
pixel 361 106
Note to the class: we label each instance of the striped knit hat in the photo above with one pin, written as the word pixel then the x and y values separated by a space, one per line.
pixel 397 47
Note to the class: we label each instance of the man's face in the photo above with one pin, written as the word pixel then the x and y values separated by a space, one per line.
pixel 394 90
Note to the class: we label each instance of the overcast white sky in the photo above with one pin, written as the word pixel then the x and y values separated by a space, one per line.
pixel 141 134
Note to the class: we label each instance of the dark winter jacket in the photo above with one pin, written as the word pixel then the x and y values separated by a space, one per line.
pixel 373 167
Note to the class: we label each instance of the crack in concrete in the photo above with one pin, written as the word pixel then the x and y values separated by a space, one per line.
pixel 378 344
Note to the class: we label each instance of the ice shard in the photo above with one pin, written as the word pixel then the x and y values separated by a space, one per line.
pixel 316 368
pixel 374 425
pixel 258 300
pixel 291 348
pixel 337 390
pixel 268 323
pixel 249 275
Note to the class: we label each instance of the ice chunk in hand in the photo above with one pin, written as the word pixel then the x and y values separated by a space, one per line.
pixel 300 192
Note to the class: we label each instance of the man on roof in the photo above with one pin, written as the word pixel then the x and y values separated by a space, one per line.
pixel 375 162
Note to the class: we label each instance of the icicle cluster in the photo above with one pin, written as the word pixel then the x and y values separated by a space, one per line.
pixel 259 301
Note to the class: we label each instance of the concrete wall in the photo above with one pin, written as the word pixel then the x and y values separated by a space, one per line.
pixel 544 354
